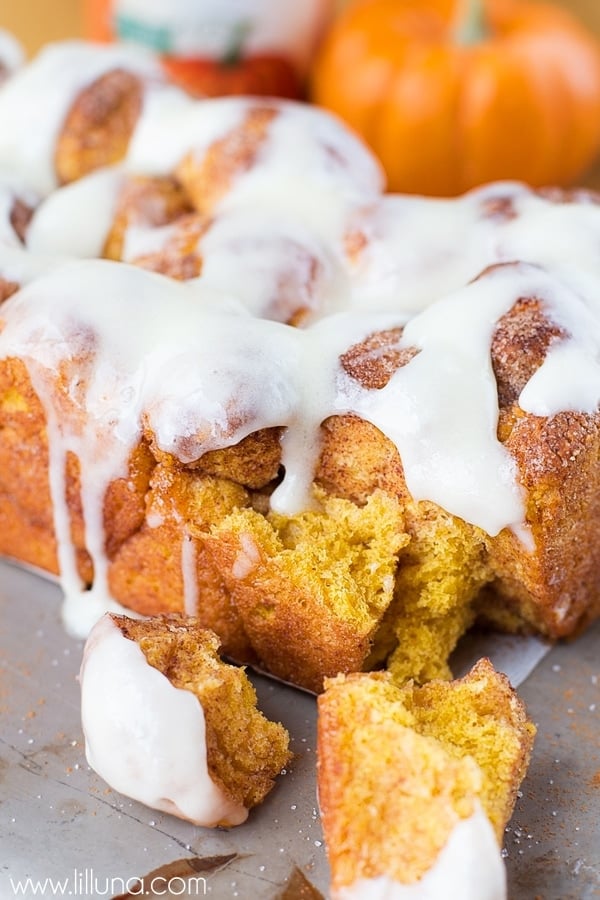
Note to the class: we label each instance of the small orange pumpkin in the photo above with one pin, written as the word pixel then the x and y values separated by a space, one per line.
pixel 454 93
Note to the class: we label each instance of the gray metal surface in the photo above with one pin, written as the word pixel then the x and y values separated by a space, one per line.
pixel 58 820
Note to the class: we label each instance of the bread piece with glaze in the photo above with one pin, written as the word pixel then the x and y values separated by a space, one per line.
pixel 417 784
pixel 167 723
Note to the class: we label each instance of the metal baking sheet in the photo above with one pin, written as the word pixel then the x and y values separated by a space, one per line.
pixel 61 827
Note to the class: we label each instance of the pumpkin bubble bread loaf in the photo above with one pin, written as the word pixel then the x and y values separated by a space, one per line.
pixel 169 724
pixel 336 426
pixel 452 95
pixel 417 784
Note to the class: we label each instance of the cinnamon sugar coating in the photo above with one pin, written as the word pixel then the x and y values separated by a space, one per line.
pixel 208 179
pixel 99 125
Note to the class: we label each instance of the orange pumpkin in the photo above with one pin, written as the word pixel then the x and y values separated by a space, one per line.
pixel 454 93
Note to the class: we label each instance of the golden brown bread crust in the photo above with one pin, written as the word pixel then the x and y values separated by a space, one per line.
pixel 373 362
pixel 252 463
pixel 26 525
pixel 519 346
pixel 99 125
pixel 145 562
pixel 556 588
pixel 343 438
pixel 146 576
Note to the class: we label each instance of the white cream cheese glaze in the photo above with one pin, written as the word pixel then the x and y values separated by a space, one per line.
pixel 418 248
pixel 282 265
pixel 144 737
pixel 418 408
pixel 276 266
pixel 570 376
pixel 62 225
pixel 303 145
pixel 146 353
pixel 265 230
pixel 469 867
pixel 310 164
pixel 171 124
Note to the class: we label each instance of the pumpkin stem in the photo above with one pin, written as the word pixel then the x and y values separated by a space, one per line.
pixel 235 51
pixel 471 27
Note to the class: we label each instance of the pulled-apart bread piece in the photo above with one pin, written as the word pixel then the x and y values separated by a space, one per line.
pixel 311 589
pixel 417 784
pixel 167 723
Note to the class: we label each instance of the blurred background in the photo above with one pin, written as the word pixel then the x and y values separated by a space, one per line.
pixel 35 22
